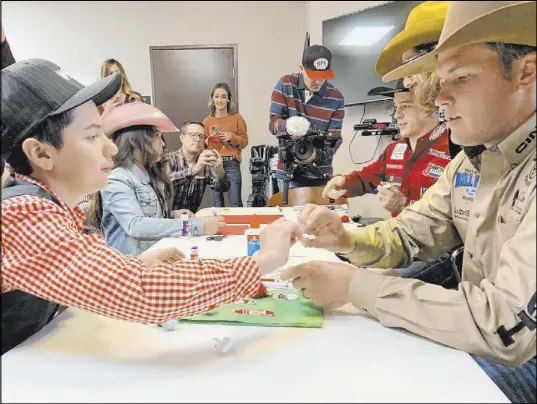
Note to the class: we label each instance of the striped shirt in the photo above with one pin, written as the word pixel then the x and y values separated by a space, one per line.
pixel 189 188
pixel 325 109
pixel 45 253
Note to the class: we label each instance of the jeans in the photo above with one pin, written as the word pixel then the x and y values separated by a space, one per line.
pixel 518 384
pixel 437 272
pixel 233 173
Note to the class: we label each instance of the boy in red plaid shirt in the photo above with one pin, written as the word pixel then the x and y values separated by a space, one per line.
pixel 53 139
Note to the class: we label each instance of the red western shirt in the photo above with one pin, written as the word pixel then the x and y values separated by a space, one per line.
pixel 414 172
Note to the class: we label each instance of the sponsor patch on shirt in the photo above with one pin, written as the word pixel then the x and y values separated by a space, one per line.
pixel 462 214
pixel 437 132
pixel 466 179
pixel 394 166
pixel 440 154
pixel 433 171
pixel 394 180
pixel 399 151
pixel 517 204
pixel 470 192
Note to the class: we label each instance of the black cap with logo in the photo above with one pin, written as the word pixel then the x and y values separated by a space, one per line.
pixel 36 89
pixel 317 61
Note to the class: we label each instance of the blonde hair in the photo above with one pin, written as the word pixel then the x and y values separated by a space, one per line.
pixel 126 87
pixel 426 92
pixel 231 108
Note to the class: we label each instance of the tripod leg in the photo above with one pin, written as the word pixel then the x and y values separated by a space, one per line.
pixel 285 199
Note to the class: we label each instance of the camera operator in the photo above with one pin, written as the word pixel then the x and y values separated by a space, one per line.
pixel 406 168
pixel 308 96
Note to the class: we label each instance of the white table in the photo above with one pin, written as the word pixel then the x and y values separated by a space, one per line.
pixel 85 357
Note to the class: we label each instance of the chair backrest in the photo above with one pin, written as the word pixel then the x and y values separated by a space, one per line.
pixel 302 196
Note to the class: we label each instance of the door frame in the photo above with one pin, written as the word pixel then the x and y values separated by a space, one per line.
pixel 234 47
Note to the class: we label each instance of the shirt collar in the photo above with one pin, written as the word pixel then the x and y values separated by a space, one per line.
pixel 76 212
pixel 516 147
pixel 431 135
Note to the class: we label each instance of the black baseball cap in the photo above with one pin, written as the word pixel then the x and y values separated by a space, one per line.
pixel 387 91
pixel 317 61
pixel 36 89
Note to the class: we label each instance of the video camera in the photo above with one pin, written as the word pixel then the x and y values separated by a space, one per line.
pixel 298 157
pixel 370 127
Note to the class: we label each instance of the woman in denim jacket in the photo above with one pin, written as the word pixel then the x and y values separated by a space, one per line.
pixel 134 210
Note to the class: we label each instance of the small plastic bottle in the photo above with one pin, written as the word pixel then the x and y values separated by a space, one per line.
pixel 252 236
pixel 194 255
pixel 184 220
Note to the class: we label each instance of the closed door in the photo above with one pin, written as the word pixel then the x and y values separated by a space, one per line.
pixel 182 79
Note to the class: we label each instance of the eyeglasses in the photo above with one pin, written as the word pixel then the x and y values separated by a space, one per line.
pixel 195 135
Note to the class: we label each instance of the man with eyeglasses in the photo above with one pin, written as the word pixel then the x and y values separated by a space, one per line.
pixel 193 167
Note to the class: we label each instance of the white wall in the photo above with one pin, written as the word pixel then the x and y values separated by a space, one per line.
pixel 79 36
pixel 363 148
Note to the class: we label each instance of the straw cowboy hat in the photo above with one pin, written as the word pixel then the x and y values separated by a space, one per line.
pixel 136 113
pixel 470 22
pixel 423 25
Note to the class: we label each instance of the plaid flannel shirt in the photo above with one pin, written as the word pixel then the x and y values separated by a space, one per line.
pixel 189 188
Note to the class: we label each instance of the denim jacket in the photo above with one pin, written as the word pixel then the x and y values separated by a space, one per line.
pixel 132 216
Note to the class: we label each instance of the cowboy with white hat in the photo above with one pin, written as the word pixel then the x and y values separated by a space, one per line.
pixel 486 64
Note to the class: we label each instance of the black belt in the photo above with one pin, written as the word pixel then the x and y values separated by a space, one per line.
pixel 227 158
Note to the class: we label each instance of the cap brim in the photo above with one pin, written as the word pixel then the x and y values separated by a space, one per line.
pixel 98 92
pixel 320 74
pixel 385 91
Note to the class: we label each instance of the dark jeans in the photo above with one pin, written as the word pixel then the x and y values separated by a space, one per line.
pixel 518 384
pixel 437 272
pixel 233 173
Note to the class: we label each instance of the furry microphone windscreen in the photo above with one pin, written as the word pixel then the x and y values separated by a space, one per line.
pixel 297 126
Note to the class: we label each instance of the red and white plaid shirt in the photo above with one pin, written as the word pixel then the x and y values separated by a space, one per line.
pixel 45 253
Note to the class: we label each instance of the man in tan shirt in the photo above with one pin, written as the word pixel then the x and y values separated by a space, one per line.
pixel 485 198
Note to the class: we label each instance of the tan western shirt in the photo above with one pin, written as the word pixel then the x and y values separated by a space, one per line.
pixel 489 203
